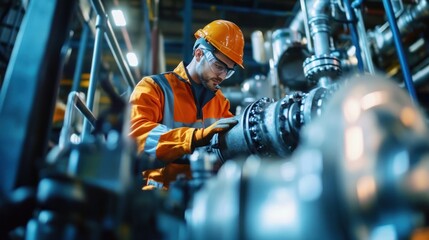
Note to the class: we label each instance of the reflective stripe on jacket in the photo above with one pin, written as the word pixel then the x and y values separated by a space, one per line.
pixel 164 115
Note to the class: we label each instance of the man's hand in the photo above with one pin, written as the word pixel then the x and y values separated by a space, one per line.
pixel 203 136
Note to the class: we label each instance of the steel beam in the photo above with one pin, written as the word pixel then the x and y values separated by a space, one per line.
pixel 29 92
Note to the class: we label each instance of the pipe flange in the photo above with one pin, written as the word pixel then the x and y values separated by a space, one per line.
pixel 289 118
pixel 325 65
pixel 313 103
pixel 254 120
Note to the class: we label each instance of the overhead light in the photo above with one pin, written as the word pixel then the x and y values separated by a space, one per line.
pixel 132 59
pixel 119 18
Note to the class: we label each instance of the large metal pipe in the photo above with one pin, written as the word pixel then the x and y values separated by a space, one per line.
pixel 269 128
pixel 322 67
pixel 318 20
pixel 359 168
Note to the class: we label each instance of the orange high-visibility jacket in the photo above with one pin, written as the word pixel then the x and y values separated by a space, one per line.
pixel 165 111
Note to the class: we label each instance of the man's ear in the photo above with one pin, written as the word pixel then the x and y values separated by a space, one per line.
pixel 198 54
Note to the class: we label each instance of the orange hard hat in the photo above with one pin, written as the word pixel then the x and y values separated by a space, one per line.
pixel 226 37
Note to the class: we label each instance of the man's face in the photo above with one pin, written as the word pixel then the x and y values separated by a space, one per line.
pixel 217 67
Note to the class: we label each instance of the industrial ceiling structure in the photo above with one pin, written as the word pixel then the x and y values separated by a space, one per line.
pixel 175 21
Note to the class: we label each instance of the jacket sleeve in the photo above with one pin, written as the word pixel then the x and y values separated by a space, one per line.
pixel 152 137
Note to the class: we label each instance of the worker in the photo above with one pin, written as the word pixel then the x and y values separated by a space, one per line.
pixel 175 112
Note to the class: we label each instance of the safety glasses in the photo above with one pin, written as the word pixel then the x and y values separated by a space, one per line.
pixel 217 66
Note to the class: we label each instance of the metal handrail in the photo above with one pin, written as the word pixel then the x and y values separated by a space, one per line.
pixel 74 102
pixel 113 44
pixel 95 68
pixel 104 28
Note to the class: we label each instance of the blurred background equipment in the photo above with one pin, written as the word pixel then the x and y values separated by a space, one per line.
pixel 332 109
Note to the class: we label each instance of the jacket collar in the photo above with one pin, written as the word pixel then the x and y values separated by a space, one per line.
pixel 202 94
pixel 181 72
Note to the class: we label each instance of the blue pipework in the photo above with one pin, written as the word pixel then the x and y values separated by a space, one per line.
pixel 400 50
pixel 351 18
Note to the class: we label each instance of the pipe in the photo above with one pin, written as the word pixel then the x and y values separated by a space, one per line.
pixel 95 69
pixel 323 66
pixel 384 38
pixel 400 50
pixel 319 27
pixel 304 11
pixel 270 129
